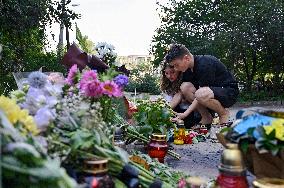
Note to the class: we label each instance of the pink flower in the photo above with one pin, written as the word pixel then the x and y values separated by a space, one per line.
pixel 111 89
pixel 182 183
pixel 87 77
pixel 90 85
pixel 92 89
pixel 56 78
pixel 72 74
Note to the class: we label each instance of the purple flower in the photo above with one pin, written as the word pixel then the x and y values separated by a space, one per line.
pixel 43 117
pixel 121 80
pixel 37 79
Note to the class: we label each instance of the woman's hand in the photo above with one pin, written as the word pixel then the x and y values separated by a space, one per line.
pixel 179 116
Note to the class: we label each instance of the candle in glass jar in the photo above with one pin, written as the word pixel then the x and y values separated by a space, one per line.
pixel 158 147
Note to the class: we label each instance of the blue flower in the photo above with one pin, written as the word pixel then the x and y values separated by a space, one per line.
pixel 121 80
pixel 37 79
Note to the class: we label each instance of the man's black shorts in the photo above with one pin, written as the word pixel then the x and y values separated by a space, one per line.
pixel 227 96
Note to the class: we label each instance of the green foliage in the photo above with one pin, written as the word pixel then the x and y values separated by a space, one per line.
pixel 153 116
pixel 18 16
pixel 162 170
pixel 25 164
pixel 32 60
pixel 84 42
pixel 245 35
pixel 61 13
pixel 260 96
pixel 145 84
pixel 22 35
pixel 144 78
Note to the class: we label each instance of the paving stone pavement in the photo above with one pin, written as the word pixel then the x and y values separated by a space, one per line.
pixel 202 159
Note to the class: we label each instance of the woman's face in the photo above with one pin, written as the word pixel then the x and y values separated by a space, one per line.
pixel 171 74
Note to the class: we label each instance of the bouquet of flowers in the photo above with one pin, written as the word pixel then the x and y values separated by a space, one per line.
pixel 266 132
pixel 40 96
pixel 80 125
pixel 77 117
pixel 105 88
pixel 85 123
pixel 24 162
pixel 261 137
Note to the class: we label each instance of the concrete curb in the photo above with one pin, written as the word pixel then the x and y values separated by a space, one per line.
pixel 259 103
pixel 238 104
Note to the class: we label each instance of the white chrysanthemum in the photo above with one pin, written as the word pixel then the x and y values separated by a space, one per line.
pixel 112 53
pixel 117 64
pixel 111 47
pixel 54 90
pixel 100 45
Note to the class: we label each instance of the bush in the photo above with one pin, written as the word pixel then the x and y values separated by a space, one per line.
pixel 260 96
pixel 146 84
pixel 32 62
pixel 144 77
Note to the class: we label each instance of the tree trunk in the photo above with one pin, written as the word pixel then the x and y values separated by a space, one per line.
pixel 67 38
pixel 276 78
pixel 249 81
pixel 60 43
pixel 254 63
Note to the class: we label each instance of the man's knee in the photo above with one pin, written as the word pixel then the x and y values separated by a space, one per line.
pixel 187 87
pixel 203 95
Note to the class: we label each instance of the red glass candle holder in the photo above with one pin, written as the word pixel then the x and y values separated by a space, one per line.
pixel 203 130
pixel 229 181
pixel 188 139
pixel 96 173
pixel 158 147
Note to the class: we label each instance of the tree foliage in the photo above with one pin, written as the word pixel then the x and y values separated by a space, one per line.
pixel 23 39
pixel 144 78
pixel 85 43
pixel 247 35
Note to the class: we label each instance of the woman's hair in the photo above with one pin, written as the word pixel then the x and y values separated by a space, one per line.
pixel 166 85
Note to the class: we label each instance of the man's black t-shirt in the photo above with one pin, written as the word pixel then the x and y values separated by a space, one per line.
pixel 209 71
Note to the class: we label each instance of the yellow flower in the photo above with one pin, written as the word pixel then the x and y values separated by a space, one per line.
pixel 278 126
pixel 15 114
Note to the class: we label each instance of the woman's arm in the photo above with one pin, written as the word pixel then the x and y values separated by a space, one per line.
pixel 190 109
pixel 176 100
